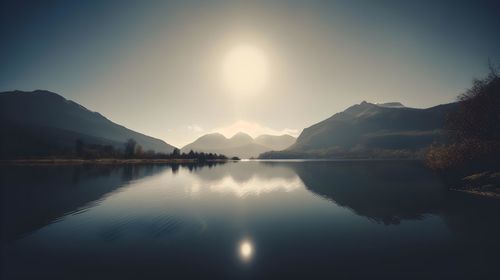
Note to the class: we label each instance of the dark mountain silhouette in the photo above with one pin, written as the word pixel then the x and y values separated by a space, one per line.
pixel 368 130
pixel 241 144
pixel 43 123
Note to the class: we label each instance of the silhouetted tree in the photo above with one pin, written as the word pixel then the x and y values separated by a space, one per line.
pixel 474 129
pixel 176 153
pixel 478 116
pixel 79 146
pixel 150 154
pixel 130 147
pixel 138 151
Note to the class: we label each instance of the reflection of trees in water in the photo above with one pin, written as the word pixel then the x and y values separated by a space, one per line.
pixel 34 196
pixel 195 166
pixel 385 192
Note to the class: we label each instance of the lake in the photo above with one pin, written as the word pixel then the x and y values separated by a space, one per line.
pixel 244 220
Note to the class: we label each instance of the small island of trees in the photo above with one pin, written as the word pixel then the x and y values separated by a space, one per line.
pixel 132 150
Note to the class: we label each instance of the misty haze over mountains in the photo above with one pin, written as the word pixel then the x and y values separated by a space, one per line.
pixel 42 123
pixel 241 144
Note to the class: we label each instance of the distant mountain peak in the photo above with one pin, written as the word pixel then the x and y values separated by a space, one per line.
pixel 44 91
pixel 367 109
pixel 37 92
pixel 241 144
pixel 360 109
pixel 241 135
pixel 213 135
pixel 391 105
pixel 276 136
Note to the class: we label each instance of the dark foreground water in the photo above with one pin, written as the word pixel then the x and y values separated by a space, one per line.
pixel 244 220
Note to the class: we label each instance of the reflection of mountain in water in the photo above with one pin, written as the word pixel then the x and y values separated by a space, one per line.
pixel 34 196
pixel 385 191
pixel 242 172
pixel 253 179
pixel 392 191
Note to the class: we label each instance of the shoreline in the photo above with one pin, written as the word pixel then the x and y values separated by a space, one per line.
pixel 477 193
pixel 75 161
pixel 485 184
pixel 104 161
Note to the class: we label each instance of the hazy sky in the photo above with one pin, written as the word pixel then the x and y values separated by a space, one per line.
pixel 158 67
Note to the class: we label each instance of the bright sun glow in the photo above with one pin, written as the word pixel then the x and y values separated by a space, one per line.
pixel 245 69
pixel 246 250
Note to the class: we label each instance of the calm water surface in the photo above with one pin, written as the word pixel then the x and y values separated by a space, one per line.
pixel 244 220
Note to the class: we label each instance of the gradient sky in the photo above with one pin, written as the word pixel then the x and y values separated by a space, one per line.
pixel 154 66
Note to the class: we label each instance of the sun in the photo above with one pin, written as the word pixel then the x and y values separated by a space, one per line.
pixel 245 69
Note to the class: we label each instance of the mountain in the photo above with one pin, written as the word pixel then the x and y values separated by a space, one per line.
pixel 275 143
pixel 368 130
pixel 43 123
pixel 241 144
pixel 240 139
pixel 391 105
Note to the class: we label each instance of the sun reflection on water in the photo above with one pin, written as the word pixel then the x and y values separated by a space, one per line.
pixel 246 250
